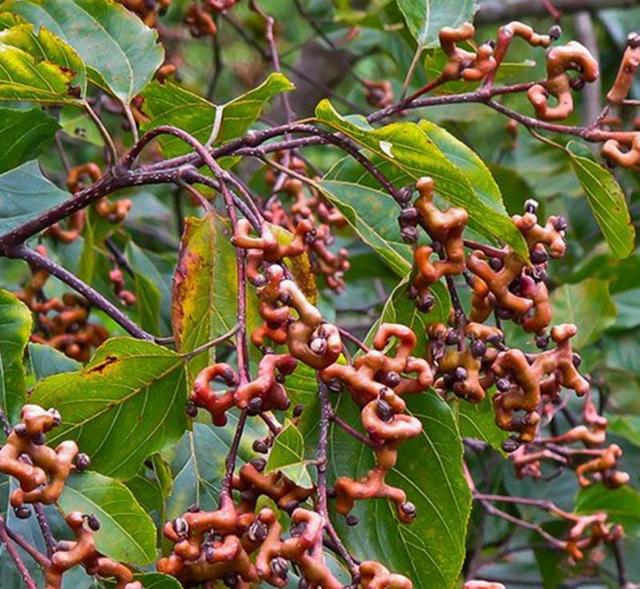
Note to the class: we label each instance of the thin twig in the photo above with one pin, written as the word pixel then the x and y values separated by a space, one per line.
pixel 326 414
pixel 106 136
pixel 93 296
pixel 15 557
pixel 211 344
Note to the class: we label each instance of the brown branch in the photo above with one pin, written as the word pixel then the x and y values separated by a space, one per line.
pixel 505 10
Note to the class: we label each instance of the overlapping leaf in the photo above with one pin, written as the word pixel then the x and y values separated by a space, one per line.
pixel 621 505
pixel 126 532
pixel 606 199
pixel 477 421
pixel 204 285
pixel 404 153
pixel 197 463
pixel 399 308
pixel 373 216
pixel 170 104
pixel 288 455
pixel 26 193
pixel 97 29
pixel 431 550
pixel 25 134
pixel 30 70
pixel 15 327
pixel 425 18
pixel 589 305
pixel 125 404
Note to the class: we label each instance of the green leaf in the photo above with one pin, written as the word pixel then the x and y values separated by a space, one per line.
pixel 430 551
pixel 120 52
pixel 25 135
pixel 622 505
pixel 477 421
pixel 158 581
pixel 197 463
pixel 404 153
pixel 15 327
pixel 147 491
pixel 148 299
pixel 425 18
pixel 589 305
pixel 27 70
pixel 204 293
pixel 170 104
pixel 46 361
pixel 125 404
pixel 373 216
pixel 77 124
pixel 126 533
pixel 606 199
pixel 625 426
pixel 399 308
pixel 287 455
pixel 26 193
pixel 468 161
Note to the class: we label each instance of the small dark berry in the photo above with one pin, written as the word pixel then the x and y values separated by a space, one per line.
pixel 82 462
pixel 633 40
pixel 260 446
pixel 531 206
pixel 409 509
pixel 209 553
pixel 351 520
pixel 384 410
pixel 576 359
pixel 259 463
pixel 577 84
pixel 503 384
pixel 20 430
pixel 254 406
pixel 257 531
pixel 460 373
pixel 298 410
pixel 22 512
pixel 392 379
pixel 542 341
pixel 510 445
pixel 496 264
pixel 409 234
pixel 426 303
pixel 409 216
pixel 279 567
pixel 452 338
pixel 478 348
pixel 555 32
pixel 335 385
pixel 231 581
pixel 539 256
pixel 191 409
pixel 561 224
pixel 93 522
